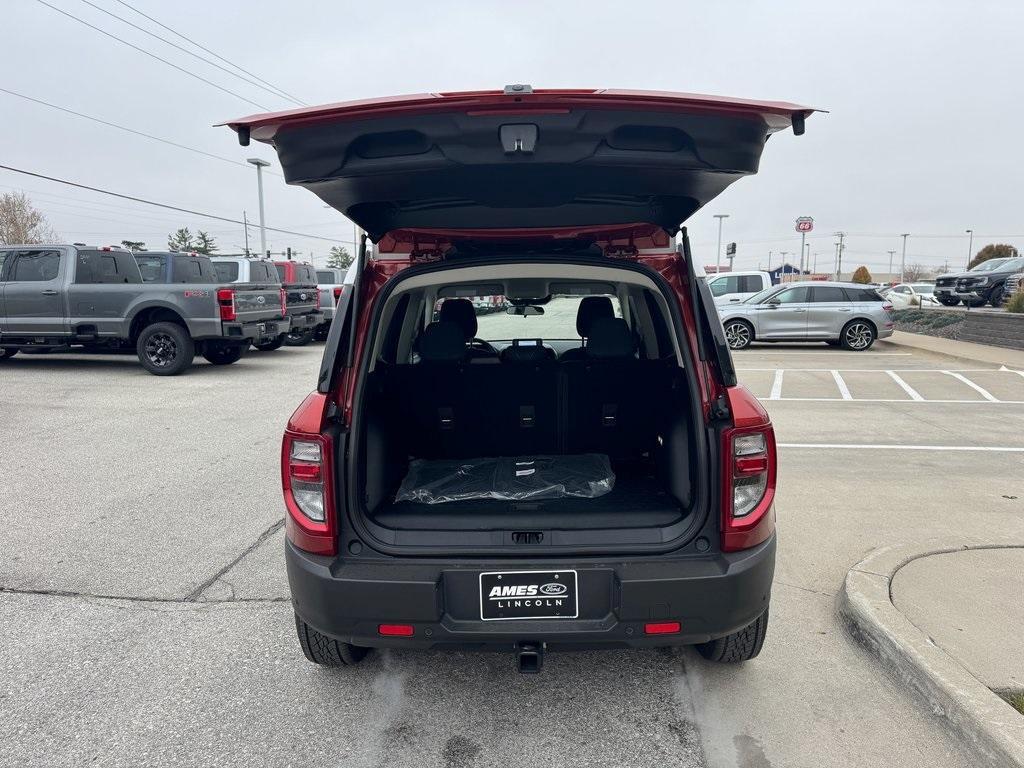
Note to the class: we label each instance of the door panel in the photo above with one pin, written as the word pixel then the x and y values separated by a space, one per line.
pixel 33 301
pixel 786 319
pixel 828 312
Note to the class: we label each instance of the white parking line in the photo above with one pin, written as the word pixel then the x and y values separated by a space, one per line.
pixel 884 370
pixel 980 390
pixel 761 351
pixel 883 446
pixel 892 400
pixel 914 395
pixel 844 390
pixel 776 385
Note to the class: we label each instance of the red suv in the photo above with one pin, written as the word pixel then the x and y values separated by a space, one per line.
pixel 581 469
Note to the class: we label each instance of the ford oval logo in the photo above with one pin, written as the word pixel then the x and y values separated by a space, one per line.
pixel 261 299
pixel 302 297
pixel 553 589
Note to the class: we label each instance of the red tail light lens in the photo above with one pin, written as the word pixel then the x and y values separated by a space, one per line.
pixel 662 628
pixel 337 295
pixel 749 473
pixel 307 480
pixel 317 294
pixel 284 302
pixel 226 302
pixel 395 630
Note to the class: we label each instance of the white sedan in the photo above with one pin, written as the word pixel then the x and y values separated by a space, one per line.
pixel 906 295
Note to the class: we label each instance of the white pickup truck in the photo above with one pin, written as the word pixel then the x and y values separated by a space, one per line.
pixel 734 287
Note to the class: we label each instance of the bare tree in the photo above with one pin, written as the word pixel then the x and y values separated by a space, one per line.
pixel 915 272
pixel 22 222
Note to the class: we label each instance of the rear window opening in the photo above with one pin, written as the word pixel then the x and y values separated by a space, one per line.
pixel 540 405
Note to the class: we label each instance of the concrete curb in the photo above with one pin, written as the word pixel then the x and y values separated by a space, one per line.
pixel 962 350
pixel 990 726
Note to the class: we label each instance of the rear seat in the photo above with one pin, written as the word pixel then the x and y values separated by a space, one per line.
pixel 528 405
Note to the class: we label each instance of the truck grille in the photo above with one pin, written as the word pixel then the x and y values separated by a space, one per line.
pixel 945 282
pixel 1013 283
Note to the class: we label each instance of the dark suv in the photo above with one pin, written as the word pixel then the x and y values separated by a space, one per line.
pixel 581 470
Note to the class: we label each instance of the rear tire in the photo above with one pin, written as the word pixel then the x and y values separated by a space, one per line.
pixel 974 303
pixel 6 354
pixel 270 346
pixel 326 651
pixel 299 338
pixel 320 334
pixel 165 349
pixel 857 335
pixel 743 645
pixel 738 334
pixel 224 354
pixel 996 299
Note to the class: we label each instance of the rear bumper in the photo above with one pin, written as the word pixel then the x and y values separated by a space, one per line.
pixel 328 314
pixel 262 330
pixel 309 320
pixel 711 597
pixel 886 330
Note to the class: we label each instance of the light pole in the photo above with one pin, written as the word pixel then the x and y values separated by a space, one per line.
pixel 891 254
pixel 903 258
pixel 260 165
pixel 839 255
pixel 718 256
pixel 970 247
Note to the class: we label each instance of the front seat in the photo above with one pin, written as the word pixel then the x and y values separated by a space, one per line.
pixel 462 313
pixel 591 308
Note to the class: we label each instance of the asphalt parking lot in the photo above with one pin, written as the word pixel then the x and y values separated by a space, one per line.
pixel 144 607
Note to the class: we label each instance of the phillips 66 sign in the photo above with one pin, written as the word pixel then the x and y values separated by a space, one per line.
pixel 804 224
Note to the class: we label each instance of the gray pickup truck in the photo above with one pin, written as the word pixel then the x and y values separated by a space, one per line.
pixel 54 297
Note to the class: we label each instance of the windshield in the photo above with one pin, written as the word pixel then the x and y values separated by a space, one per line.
pixel 988 266
pixel 557 322
pixel 760 296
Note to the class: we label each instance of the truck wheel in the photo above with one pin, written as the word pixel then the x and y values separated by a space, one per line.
pixel 857 335
pixel 5 354
pixel 224 354
pixel 165 349
pixel 270 346
pixel 324 650
pixel 739 646
pixel 299 338
pixel 948 301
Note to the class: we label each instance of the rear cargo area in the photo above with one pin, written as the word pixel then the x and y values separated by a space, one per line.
pixel 628 415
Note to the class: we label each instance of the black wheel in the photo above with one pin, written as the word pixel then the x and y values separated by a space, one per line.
pixel 270 346
pixel 222 354
pixel 743 645
pixel 996 298
pixel 299 338
pixel 7 353
pixel 857 335
pixel 738 334
pixel 165 349
pixel 974 303
pixel 948 301
pixel 320 334
pixel 324 650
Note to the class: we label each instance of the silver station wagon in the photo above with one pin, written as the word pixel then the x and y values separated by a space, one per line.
pixel 840 314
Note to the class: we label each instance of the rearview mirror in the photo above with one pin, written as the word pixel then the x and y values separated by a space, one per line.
pixel 525 310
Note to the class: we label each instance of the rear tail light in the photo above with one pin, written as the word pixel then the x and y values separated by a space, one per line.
pixel 749 472
pixel 888 307
pixel 284 302
pixel 337 295
pixel 307 479
pixel 395 630
pixel 226 302
pixel 317 299
pixel 662 628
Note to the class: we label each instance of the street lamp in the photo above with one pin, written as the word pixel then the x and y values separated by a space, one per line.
pixel 970 247
pixel 260 165
pixel 903 259
pixel 718 256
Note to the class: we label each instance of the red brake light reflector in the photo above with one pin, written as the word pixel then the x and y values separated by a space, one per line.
pixel 226 302
pixel 395 630
pixel 662 628
pixel 284 302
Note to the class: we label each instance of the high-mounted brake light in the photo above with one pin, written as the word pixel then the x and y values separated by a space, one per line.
pixel 748 473
pixel 226 302
pixel 306 478
pixel 284 302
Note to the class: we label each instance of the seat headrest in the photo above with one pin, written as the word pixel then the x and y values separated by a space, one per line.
pixel 526 354
pixel 462 313
pixel 441 342
pixel 592 308
pixel 610 338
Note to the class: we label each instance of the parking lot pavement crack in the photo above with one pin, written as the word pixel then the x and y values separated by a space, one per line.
pixel 196 593
pixel 822 592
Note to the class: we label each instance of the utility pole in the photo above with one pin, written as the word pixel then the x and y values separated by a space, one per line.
pixel 245 222
pixel 891 254
pixel 815 267
pixel 803 244
pixel 260 165
pixel 782 265
pixel 903 259
pixel 718 255
pixel 808 246
pixel 970 247
pixel 769 261
pixel 839 254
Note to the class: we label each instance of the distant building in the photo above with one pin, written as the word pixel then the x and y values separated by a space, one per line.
pixel 786 273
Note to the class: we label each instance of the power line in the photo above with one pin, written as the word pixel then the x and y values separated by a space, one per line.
pixel 212 53
pixel 125 128
pixel 153 55
pixel 193 54
pixel 164 205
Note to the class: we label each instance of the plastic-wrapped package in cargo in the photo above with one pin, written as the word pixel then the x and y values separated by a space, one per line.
pixel 507 478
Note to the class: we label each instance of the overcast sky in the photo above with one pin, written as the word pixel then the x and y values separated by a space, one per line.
pixel 923 133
